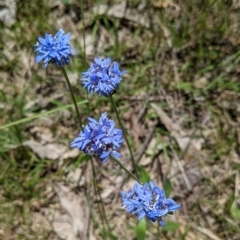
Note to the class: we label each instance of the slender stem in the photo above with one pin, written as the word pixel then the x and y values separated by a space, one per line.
pixel 125 169
pixel 125 135
pixel 83 30
pixel 73 98
pixel 84 41
pixel 101 209
pixel 95 223
pixel 88 104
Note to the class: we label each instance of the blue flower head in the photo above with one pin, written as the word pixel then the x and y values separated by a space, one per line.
pixel 148 200
pixel 55 49
pixel 99 138
pixel 102 77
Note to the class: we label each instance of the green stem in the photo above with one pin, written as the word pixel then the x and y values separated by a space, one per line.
pixel 83 30
pixel 101 209
pixel 125 135
pixel 73 98
pixel 125 169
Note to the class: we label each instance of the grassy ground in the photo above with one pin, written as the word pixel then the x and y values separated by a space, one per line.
pixel 182 59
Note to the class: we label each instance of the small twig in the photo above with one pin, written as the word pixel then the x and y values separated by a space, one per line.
pixel 206 232
pixel 188 184
pixel 146 143
pixel 194 132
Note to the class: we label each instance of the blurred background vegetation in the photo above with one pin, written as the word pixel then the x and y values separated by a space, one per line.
pixel 180 102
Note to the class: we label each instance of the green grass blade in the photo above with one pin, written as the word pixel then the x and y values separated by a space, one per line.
pixel 27 119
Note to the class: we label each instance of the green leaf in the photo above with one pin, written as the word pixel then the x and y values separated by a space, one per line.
pixel 167 187
pixel 235 211
pixel 206 69
pixel 143 175
pixel 65 1
pixel 171 226
pixel 141 229
pixel 215 82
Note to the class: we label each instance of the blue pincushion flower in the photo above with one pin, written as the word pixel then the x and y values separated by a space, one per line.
pixel 102 77
pixel 54 49
pixel 99 138
pixel 148 200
